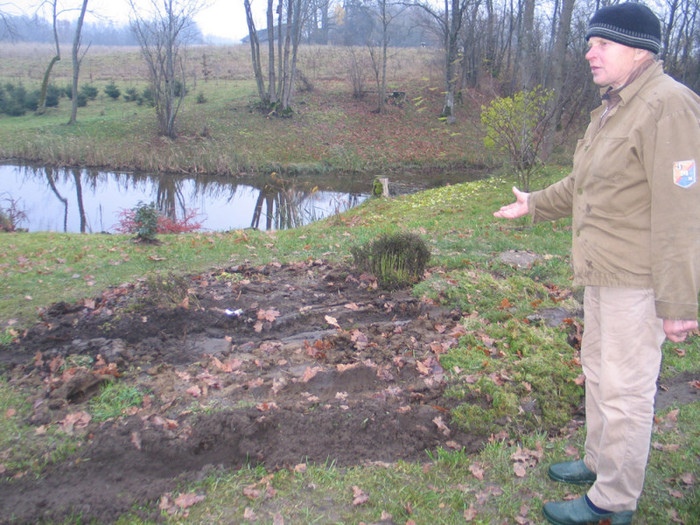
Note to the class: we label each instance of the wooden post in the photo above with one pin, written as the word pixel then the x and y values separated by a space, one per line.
pixel 385 186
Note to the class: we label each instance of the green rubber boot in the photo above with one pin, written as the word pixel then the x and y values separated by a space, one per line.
pixel 577 512
pixel 574 472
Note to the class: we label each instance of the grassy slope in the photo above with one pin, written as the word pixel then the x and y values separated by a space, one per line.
pixel 456 221
pixel 37 269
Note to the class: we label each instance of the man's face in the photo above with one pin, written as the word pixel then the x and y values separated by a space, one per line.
pixel 611 63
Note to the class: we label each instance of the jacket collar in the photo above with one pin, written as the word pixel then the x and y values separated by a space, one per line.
pixel 637 79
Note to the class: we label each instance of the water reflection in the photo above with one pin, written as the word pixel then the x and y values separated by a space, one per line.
pixel 88 201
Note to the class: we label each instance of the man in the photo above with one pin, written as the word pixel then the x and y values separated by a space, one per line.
pixel 635 201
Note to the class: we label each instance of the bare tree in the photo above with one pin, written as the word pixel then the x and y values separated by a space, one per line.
pixel 385 15
pixel 282 62
pixel 449 20
pixel 161 37
pixel 41 107
pixel 76 63
pixel 555 81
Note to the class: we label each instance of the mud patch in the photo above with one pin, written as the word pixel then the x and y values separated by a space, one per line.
pixel 280 365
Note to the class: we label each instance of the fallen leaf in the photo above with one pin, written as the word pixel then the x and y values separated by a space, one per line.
pixel 268 315
pixel 75 420
pixel 309 373
pixel 688 478
pixel 441 425
pixel 252 493
pixel 352 306
pixel 185 501
pixel 477 471
pixel 136 440
pixel 228 366
pixel 359 496
pixel 332 321
pixel 676 493
pixel 194 391
pixel 519 470
pixel 470 513
pixel 359 338
pixel 249 514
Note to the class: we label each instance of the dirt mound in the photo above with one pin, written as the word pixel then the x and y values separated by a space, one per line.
pixel 281 364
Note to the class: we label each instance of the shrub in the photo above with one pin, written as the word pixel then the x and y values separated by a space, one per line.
pixel 11 216
pixel 53 94
pixel 516 126
pixel 145 220
pixel 396 260
pixel 31 100
pixel 146 97
pixel 112 91
pixel 89 91
pixel 142 220
pixel 9 103
pixel 131 95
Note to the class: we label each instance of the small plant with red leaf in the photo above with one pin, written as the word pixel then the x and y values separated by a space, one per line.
pixel 146 220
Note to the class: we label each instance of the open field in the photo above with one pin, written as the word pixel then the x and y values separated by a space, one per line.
pixel 222 132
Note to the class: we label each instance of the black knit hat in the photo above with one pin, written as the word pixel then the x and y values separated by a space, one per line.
pixel 630 24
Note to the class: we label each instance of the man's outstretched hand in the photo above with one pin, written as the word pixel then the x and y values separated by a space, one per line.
pixel 516 209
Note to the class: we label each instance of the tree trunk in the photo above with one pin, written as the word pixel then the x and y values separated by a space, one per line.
pixel 527 48
pixel 558 61
pixel 272 80
pixel 255 53
pixel 76 63
pixel 41 107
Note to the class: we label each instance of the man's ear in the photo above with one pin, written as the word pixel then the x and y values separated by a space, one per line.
pixel 640 55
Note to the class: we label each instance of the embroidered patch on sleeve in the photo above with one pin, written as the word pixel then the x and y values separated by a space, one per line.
pixel 684 173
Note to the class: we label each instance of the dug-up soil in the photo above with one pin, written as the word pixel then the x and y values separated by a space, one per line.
pixel 279 365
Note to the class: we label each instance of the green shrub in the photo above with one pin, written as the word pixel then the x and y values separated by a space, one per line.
pixel 516 126
pixel 89 91
pixel 396 260
pixel 112 91
pixel 131 95
pixel 146 97
pixel 53 94
pixel 31 100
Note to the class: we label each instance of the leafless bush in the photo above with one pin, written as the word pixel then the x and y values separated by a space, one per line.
pixel 356 70
pixel 11 216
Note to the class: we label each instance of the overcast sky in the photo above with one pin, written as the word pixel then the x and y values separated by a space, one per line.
pixel 223 18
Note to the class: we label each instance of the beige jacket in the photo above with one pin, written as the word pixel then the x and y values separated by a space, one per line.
pixel 634 195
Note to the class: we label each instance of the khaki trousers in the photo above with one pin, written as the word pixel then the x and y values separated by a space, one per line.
pixel 621 359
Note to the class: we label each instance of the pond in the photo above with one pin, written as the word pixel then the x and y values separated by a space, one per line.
pixel 90 201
